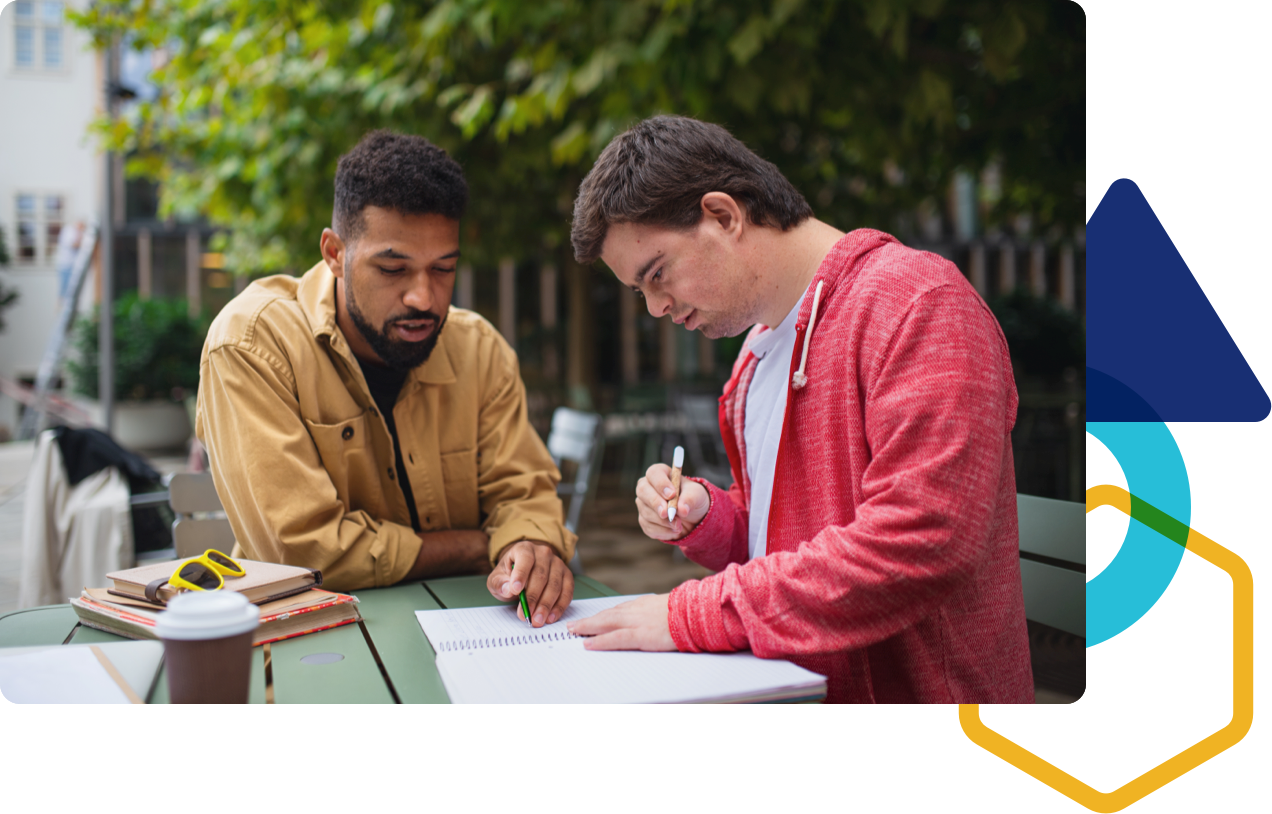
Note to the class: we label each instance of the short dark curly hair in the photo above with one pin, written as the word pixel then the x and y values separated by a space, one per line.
pixel 657 172
pixel 408 174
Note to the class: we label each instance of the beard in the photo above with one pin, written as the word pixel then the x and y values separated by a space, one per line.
pixel 398 354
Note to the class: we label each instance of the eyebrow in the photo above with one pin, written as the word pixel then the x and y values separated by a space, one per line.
pixel 394 254
pixel 643 270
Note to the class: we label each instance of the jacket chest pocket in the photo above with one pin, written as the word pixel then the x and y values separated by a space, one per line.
pixel 349 457
pixel 459 480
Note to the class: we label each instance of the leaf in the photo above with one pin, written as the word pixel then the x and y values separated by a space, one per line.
pixel 748 41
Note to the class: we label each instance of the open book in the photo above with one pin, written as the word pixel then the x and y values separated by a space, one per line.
pixel 490 656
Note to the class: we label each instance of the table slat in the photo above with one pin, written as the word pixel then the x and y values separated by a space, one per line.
pixel 471 592
pixel 355 679
pixel 91 635
pixel 35 626
pixel 389 614
pixel 588 588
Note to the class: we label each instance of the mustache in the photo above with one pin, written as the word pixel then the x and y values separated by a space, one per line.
pixel 413 316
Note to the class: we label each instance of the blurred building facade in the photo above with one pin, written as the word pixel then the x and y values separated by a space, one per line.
pixel 50 173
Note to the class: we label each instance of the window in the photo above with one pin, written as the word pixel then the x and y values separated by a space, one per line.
pixel 37 33
pixel 54 217
pixel 40 220
pixel 27 230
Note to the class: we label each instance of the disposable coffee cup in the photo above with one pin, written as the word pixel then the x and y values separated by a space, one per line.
pixel 207 646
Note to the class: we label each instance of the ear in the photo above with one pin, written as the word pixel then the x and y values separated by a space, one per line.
pixel 333 251
pixel 722 211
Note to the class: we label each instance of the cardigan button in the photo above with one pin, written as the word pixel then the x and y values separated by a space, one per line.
pixel 392 475
pixel 347 433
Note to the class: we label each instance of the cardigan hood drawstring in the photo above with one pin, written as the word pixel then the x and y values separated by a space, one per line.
pixel 799 379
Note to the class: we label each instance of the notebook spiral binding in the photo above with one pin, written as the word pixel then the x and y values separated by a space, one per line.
pixel 505 641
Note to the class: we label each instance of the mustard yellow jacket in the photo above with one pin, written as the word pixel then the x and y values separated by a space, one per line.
pixel 304 463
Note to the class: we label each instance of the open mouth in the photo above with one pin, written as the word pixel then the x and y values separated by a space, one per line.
pixel 414 330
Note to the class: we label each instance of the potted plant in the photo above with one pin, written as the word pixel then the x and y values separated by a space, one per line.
pixel 157 348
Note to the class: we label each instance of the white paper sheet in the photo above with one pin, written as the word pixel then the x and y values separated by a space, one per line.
pixel 499 625
pixel 564 672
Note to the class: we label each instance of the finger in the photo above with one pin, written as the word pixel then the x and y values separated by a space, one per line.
pixel 536 584
pixel 627 638
pixel 659 477
pixel 654 526
pixel 522 559
pixel 596 624
pixel 567 596
pixel 654 502
pixel 496 579
pixel 551 591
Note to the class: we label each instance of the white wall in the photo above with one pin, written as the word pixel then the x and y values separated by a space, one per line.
pixel 44 148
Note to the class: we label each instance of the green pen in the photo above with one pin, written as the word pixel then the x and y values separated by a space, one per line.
pixel 525 611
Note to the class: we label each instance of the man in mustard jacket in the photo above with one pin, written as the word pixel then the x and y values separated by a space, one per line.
pixel 358 424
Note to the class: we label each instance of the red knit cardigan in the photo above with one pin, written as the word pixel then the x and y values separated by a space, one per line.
pixel 892 564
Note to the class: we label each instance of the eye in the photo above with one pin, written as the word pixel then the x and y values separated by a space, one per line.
pixel 657 276
pixel 391 271
pixel 443 269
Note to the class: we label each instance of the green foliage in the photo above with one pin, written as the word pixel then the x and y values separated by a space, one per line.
pixel 1044 338
pixel 4 248
pixel 157 349
pixel 868 106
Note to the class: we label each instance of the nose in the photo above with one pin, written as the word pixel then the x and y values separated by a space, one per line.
pixel 420 293
pixel 659 304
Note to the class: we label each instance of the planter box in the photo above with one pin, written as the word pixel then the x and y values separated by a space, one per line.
pixel 144 424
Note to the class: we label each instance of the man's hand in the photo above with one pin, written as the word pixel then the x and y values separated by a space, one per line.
pixel 637 625
pixel 547 580
pixel 652 493
pixel 450 552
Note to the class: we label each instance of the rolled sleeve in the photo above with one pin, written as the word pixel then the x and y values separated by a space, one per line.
pixel 516 480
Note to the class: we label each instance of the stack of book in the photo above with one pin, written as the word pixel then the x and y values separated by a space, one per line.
pixel 289 600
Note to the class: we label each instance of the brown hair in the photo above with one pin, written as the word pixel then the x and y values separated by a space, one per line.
pixel 657 172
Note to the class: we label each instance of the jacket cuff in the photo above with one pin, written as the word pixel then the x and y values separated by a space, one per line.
pixel 700 621
pixel 400 548
pixel 556 535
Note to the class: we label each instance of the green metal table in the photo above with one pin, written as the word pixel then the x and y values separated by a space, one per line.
pixel 386 659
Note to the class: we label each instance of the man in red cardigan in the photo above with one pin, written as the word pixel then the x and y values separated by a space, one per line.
pixel 870 532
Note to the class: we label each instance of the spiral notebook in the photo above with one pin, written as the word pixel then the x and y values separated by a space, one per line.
pixel 490 656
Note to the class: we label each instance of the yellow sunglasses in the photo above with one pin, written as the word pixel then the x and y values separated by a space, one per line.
pixel 206 572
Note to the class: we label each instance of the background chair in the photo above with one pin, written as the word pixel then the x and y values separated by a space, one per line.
pixel 1053 562
pixel 200 523
pixel 576 437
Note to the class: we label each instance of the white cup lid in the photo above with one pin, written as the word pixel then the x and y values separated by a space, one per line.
pixel 197 615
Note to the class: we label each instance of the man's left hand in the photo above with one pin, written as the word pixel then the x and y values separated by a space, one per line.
pixel 637 625
pixel 536 568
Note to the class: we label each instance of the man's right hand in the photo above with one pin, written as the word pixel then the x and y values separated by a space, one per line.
pixel 652 493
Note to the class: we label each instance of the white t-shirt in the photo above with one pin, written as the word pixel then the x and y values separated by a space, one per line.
pixel 765 413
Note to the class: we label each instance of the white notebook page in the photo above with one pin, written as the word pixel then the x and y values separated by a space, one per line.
pixel 563 672
pixel 499 625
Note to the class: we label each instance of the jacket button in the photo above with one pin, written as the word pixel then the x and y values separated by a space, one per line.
pixel 392 475
pixel 347 433
pixel 374 413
